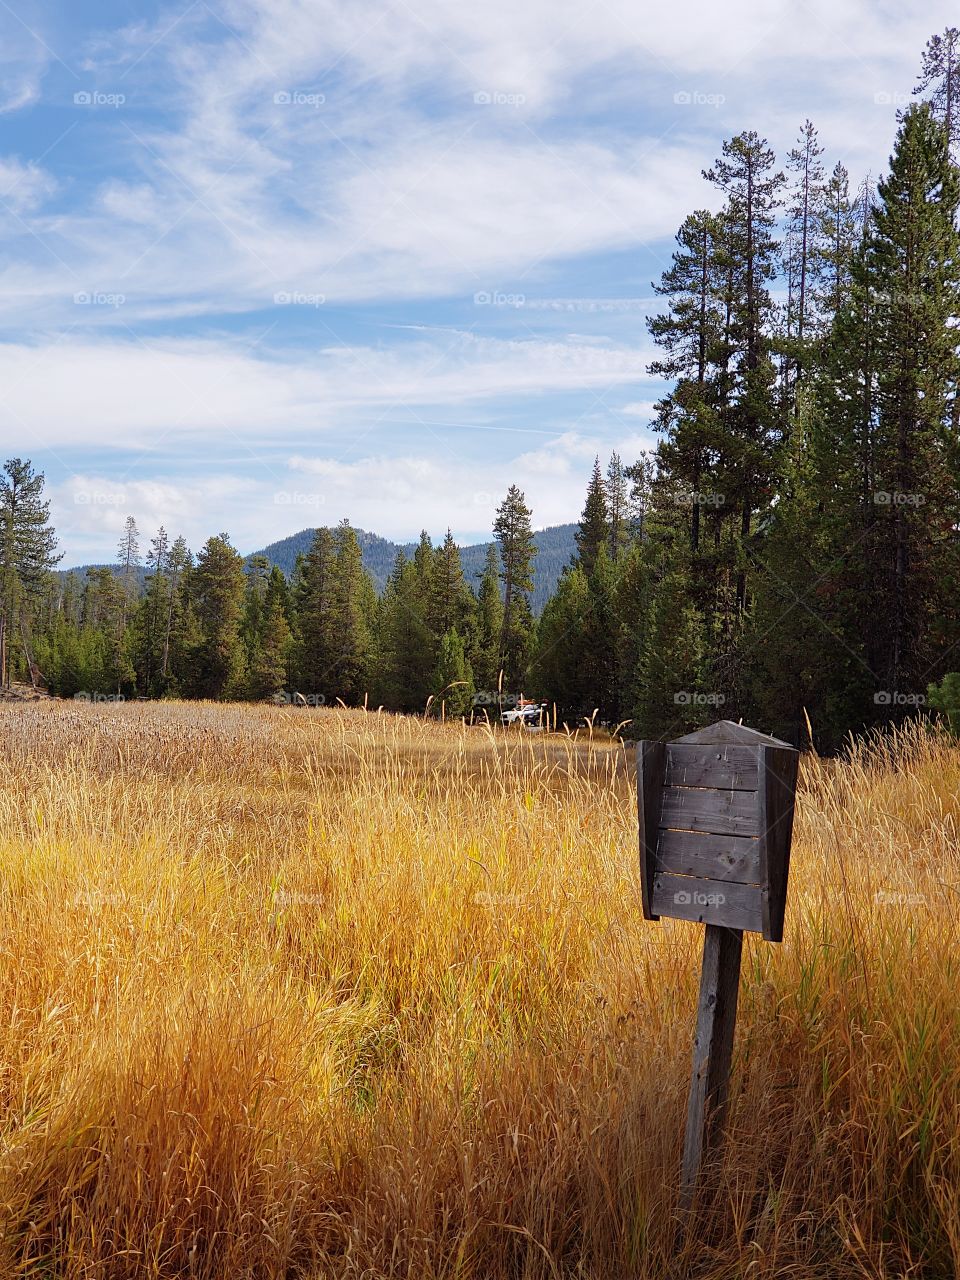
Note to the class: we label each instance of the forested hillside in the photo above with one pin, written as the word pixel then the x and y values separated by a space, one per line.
pixel 789 553
pixel 556 546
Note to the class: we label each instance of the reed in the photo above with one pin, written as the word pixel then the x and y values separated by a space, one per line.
pixel 328 993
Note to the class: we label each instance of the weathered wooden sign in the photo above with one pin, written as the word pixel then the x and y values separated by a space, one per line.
pixel 716 820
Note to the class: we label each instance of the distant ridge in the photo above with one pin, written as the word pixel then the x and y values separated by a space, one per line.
pixel 556 546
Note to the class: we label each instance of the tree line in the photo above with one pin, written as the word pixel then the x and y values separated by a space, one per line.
pixel 787 553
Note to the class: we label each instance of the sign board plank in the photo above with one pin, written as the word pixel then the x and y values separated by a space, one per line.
pixel 721 813
pixel 729 767
pixel 690 853
pixel 738 906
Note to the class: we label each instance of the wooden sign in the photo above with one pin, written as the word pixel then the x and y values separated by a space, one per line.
pixel 716 821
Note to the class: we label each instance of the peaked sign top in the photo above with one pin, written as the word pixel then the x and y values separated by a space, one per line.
pixel 727 732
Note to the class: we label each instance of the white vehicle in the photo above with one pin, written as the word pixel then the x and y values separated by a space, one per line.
pixel 530 715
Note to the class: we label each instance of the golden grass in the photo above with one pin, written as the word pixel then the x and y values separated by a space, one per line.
pixel 322 994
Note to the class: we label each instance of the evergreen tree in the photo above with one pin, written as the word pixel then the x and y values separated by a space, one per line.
pixel 753 428
pixel 217 589
pixel 406 642
pixel 27 554
pixel 514 535
pixel 453 687
pixel 939 80
pixel 806 214
pixel 352 605
pixel 313 595
pixel 485 656
pixel 616 491
pixel 593 531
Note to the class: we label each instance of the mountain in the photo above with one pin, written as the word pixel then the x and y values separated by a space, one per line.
pixel 555 547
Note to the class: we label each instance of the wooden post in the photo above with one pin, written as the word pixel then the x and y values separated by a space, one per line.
pixel 712 1051
pixel 715 815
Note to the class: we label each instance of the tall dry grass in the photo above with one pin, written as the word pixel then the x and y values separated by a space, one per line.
pixel 319 993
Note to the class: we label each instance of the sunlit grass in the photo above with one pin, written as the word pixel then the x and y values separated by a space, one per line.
pixel 322 993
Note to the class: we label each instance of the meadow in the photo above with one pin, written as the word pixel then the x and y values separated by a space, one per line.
pixel 326 993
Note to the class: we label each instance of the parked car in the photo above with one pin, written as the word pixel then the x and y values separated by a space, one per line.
pixel 530 716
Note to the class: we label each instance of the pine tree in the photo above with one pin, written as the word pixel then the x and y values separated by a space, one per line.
pixel 406 642
pixel 691 334
pixel 352 600
pixel 514 534
pixel 753 427
pixel 27 554
pixel 914 257
pixel 839 238
pixel 804 262
pixel 313 595
pixel 593 531
pixel 616 491
pixel 217 587
pixel 453 606
pixel 562 665
pixel 269 652
pixel 940 80
pixel 129 561
pixel 485 655
pixel 453 687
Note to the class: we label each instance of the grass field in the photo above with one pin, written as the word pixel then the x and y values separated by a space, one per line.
pixel 321 994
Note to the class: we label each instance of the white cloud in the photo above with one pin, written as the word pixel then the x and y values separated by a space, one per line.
pixel 138 394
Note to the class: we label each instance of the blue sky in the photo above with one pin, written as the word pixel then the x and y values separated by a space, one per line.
pixel 270 263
